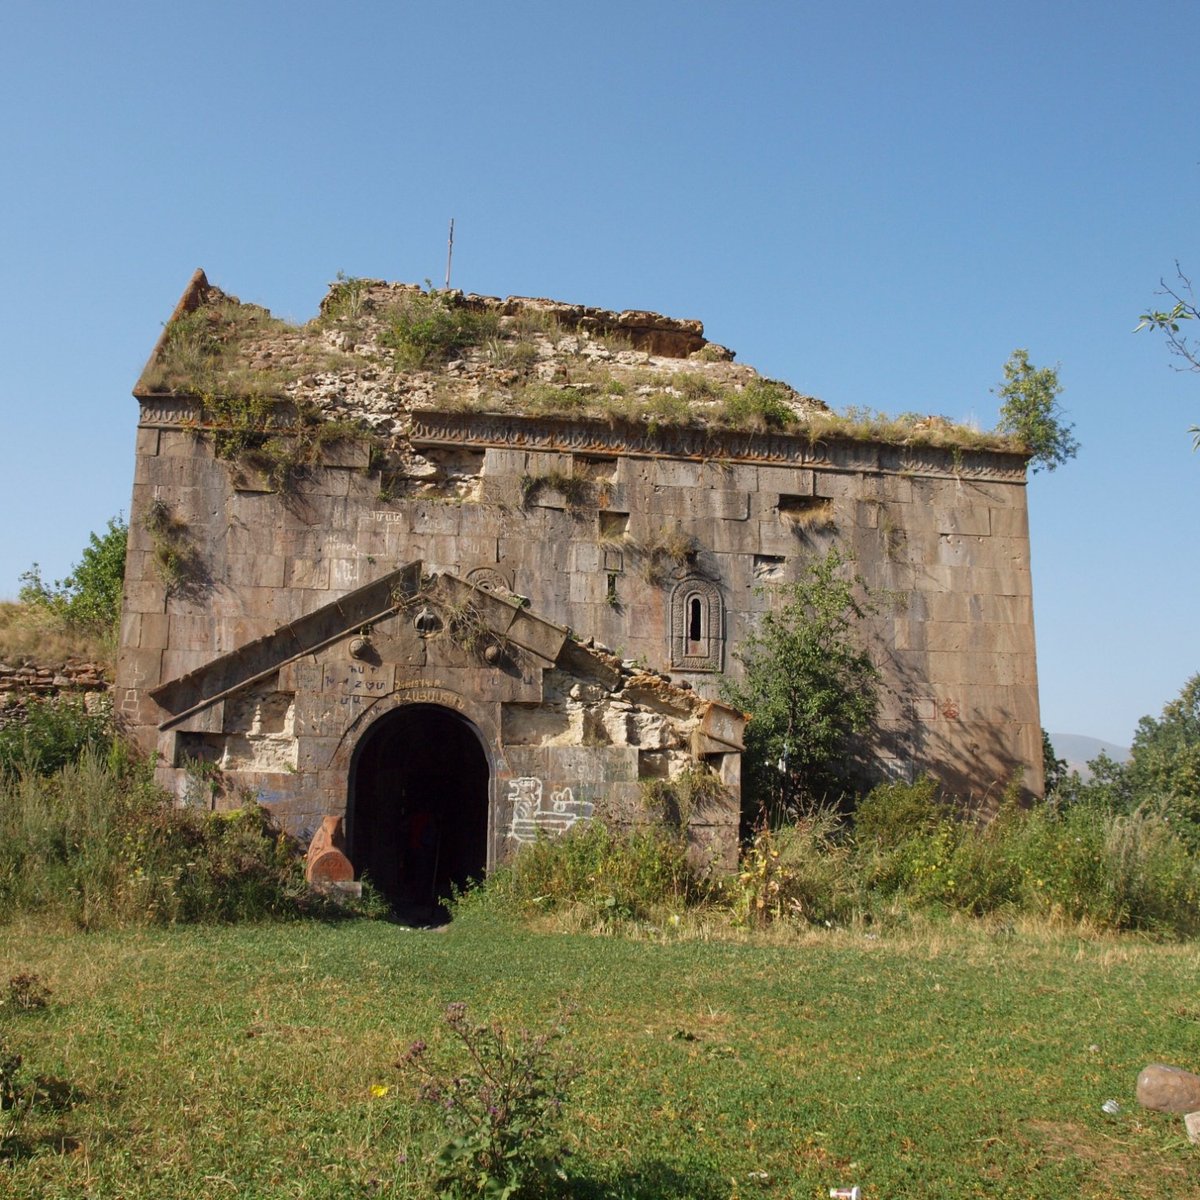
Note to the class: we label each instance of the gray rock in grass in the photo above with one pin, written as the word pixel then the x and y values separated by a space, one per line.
pixel 1192 1122
pixel 1168 1089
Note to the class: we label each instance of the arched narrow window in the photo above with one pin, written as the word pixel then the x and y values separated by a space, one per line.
pixel 695 619
pixel 697 626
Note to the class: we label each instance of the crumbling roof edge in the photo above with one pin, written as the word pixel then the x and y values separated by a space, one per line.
pixel 193 296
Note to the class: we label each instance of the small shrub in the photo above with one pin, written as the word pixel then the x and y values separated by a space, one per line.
pixel 1031 413
pixel 175 560
pixel 801 871
pixel 822 886
pixel 426 330
pixel 894 813
pixel 552 400
pixel 696 387
pixel 660 408
pixel 469 630
pixel 575 491
pixel 281 442
pixel 240 423
pixel 516 356
pixel 669 551
pixel 55 732
pixel 345 299
pixel 762 881
pixel 761 404
pixel 530 322
pixel 674 802
pixel 497 1095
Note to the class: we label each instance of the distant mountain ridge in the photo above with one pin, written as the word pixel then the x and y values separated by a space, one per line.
pixel 1079 750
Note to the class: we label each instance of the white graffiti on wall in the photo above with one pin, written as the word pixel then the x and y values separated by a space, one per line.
pixel 531 816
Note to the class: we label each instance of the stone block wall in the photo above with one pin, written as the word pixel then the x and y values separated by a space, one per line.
pixel 661 546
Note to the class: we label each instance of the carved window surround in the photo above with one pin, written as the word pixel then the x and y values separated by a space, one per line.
pixel 697 626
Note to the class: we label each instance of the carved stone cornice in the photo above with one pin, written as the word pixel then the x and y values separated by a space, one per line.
pixel 169 412
pixel 569 436
pixel 695 443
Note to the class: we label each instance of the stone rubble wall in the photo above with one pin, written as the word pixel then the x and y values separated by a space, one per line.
pixel 19 683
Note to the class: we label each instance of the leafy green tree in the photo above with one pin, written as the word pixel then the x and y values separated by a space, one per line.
pixel 1054 769
pixel 810 689
pixel 1168 322
pixel 1164 761
pixel 90 596
pixel 1163 770
pixel 1030 412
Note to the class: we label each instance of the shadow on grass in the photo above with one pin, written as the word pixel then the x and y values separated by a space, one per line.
pixel 18 1147
pixel 647 1180
pixel 49 1095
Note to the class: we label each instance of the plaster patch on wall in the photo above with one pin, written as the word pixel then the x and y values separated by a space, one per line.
pixel 258 754
pixel 262 713
pixel 539 725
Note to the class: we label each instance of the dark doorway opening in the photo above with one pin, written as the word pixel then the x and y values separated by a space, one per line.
pixel 419 807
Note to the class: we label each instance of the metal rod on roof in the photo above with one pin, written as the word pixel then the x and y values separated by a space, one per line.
pixel 449 253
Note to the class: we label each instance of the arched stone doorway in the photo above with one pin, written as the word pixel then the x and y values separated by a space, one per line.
pixel 418 806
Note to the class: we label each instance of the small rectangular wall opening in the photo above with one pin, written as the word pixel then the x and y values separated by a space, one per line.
pixel 599 470
pixel 806 512
pixel 613 525
pixel 769 567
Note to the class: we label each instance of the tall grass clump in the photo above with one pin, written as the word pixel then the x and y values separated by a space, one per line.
pixel 906 850
pixel 802 871
pixel 600 876
pixel 1110 869
pixel 96 843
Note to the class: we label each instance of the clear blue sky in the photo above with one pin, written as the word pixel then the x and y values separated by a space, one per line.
pixel 875 201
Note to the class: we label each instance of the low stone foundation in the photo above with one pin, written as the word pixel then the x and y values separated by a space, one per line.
pixel 84 680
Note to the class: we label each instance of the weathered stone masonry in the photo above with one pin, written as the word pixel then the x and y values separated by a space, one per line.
pixel 320 625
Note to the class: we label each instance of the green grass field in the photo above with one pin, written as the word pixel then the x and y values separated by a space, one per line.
pixel 946 1061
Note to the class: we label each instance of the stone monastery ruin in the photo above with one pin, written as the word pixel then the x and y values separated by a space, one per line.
pixel 464 570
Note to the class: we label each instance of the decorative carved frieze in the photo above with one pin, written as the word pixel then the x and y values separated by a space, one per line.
pixel 580 437
pixel 168 412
